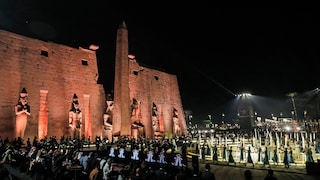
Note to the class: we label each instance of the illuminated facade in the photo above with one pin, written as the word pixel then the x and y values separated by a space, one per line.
pixel 53 73
pixel 150 88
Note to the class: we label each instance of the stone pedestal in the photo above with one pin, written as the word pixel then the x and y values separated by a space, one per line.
pixel 134 132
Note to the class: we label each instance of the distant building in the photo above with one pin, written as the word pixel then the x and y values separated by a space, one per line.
pixel 246 114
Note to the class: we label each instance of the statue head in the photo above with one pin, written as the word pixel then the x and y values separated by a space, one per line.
pixel 23 98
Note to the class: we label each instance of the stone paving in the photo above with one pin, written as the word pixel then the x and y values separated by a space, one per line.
pixel 223 171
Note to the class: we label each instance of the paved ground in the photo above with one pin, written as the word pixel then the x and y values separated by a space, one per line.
pixel 229 172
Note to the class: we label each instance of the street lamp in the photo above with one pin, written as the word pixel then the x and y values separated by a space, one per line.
pixel 223 118
pixel 292 95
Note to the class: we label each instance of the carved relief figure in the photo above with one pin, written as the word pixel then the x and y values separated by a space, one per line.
pixel 135 154
pixel 75 117
pixel 162 158
pixel 155 119
pixel 150 155
pixel 108 114
pixel 121 153
pixel 134 108
pixel 111 153
pixel 176 124
pixel 135 118
pixel 136 126
pixel 178 161
pixel 22 110
pixel 107 117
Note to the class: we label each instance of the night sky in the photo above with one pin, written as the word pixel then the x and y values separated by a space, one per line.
pixel 215 52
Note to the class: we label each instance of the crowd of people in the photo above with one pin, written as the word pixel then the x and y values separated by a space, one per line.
pixel 50 158
pixel 125 158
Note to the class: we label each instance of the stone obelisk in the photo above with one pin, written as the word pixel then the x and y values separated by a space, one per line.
pixel 121 120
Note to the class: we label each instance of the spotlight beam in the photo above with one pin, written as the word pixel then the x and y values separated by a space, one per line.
pixel 216 82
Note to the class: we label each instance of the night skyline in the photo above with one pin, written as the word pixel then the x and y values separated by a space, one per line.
pixel 215 53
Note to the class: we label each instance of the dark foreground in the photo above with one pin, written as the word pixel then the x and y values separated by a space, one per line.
pixel 221 171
